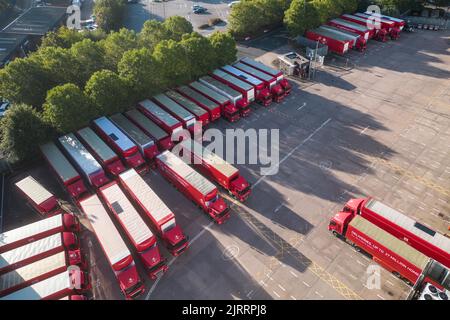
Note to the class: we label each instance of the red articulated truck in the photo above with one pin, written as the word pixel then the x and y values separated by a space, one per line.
pixel 269 81
pixel 399 23
pixel 162 138
pixel 66 173
pixel 116 139
pixel 83 160
pixel 380 33
pixel 161 217
pixel 15 238
pixel 359 43
pixel 417 235
pixel 146 145
pixel 114 247
pixel 391 253
pixel 161 117
pixel 217 169
pixel 212 107
pixel 200 114
pixel 40 198
pixel 42 248
pixel 185 117
pixel 36 271
pixel 262 92
pixel 281 80
pixel 70 283
pixel 363 31
pixel 335 42
pixel 139 234
pixel 109 160
pixel 247 90
pixel 194 186
pixel 389 25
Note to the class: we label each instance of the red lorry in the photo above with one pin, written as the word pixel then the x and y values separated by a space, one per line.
pixel 194 186
pixel 391 253
pixel 217 169
pixel 262 92
pixel 399 23
pixel 15 238
pixel 420 237
pixel 281 80
pixel 379 33
pixel 335 42
pixel 40 198
pixel 117 253
pixel 162 138
pixel 127 149
pixel 389 25
pixel 363 31
pixel 270 81
pixel 66 173
pixel 42 248
pixel 247 90
pixel 137 231
pixel 359 43
pixel 201 115
pixel 109 160
pixel 161 217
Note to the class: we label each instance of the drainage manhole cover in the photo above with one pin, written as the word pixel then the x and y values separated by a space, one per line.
pixel 230 252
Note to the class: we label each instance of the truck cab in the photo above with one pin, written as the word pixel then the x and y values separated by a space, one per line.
pixel 218 209
pixel 152 259
pixel 174 237
pixel 128 278
pixel 232 113
pixel 240 188
pixel 338 224
pixel 72 245
pixel 70 222
pixel 286 86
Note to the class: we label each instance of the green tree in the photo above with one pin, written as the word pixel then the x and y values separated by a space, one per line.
pixel 300 17
pixel 246 18
pixel 152 33
pixel 60 65
pixel 200 52
pixel 22 131
pixel 176 27
pixel 89 57
pixel 174 66
pixel 116 44
pixel 224 47
pixel 67 108
pixel 109 13
pixel 63 37
pixel 108 92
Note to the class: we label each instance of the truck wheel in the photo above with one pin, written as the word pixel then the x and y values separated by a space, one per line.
pixel 335 234
pixel 395 273
pixel 358 249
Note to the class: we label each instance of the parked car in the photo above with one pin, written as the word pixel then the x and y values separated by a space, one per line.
pixel 198 9
pixel 4 106
pixel 232 3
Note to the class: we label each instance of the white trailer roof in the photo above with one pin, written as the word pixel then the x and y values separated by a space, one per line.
pixel 261 66
pixel 242 75
pixel 389 241
pixel 241 84
pixel 34 190
pixel 59 162
pixel 203 185
pixel 331 34
pixel 119 138
pixel 254 72
pixel 107 234
pixel 365 20
pixel 217 85
pixel 132 131
pixel 31 229
pixel 209 157
pixel 125 211
pixel 42 289
pixel 174 107
pixel 349 34
pixel 146 196
pixel 158 112
pixel 97 144
pixel 409 224
pixel 152 128
pixel 382 19
pixel 350 24
pixel 32 270
pixel 206 91
pixel 79 154
pixel 30 250
pixel 384 16
pixel 185 102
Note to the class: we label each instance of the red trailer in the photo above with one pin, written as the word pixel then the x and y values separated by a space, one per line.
pixel 127 149
pixel 420 237
pixel 363 31
pixel 201 115
pixel 389 25
pixel 270 81
pixel 109 160
pixel 247 90
pixel 15 238
pixel 281 80
pixel 137 231
pixel 335 43
pixel 379 33
pixel 212 107
pixel 399 23
pixel 40 198
pixel 262 93
pixel 217 169
pixel 162 138
pixel 83 160
pixel 66 173
pixel 185 117
pixel 114 247
pixel 59 242
pixel 359 43
pixel 146 145
pixel 161 217
pixel 71 283
pixel 194 186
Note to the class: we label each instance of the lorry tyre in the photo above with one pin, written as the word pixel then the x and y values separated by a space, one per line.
pixel 358 249
pixel 335 234
pixel 395 273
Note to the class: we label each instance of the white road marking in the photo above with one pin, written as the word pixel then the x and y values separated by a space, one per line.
pixel 380 297
pixel 281 287
pixel 306 284
pixel 293 273
pixel 302 106
pixel 293 298
pixel 362 132
pixel 276 293
pixel 359 262
pixel 278 208
pixel 318 294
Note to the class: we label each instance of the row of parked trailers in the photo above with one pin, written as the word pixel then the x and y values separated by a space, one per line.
pixel 354 31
